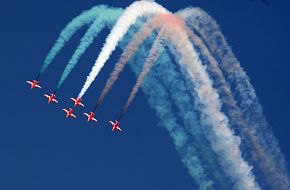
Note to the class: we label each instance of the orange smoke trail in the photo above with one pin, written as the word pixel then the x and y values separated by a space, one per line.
pixel 162 20
pixel 152 58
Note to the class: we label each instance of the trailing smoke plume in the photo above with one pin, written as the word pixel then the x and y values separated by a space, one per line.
pixel 85 18
pixel 105 16
pixel 129 17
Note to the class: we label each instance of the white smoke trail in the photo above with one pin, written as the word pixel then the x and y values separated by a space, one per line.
pixel 128 52
pixel 129 17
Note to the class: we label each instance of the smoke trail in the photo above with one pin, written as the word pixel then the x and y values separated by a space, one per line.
pixel 153 56
pixel 267 154
pixel 127 54
pixel 105 16
pixel 37 77
pixel 86 17
pixel 129 17
pixel 155 51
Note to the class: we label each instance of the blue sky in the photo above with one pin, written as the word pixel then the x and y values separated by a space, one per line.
pixel 42 150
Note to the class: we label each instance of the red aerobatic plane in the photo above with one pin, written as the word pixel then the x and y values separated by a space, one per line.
pixel 77 102
pixel 91 117
pixel 51 98
pixel 69 113
pixel 34 84
pixel 115 125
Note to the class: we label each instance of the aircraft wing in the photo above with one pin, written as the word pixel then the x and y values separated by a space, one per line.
pixel 86 114
pixel 29 82
pixel 73 99
pixel 112 122
pixel 94 119
pixel 45 95
pixel 37 86
pixel 82 105
pixel 54 100
pixel 73 116
pixel 65 110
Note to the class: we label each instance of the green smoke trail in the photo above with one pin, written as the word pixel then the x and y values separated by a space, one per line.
pixel 85 18
pixel 106 16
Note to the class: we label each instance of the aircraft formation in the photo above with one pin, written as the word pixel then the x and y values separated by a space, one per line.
pixel 76 102
pixel 198 90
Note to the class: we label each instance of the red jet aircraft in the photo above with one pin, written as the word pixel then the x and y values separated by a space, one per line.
pixel 34 84
pixel 91 117
pixel 51 98
pixel 77 102
pixel 115 125
pixel 69 113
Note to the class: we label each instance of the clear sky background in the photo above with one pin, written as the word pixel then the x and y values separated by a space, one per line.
pixel 39 149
